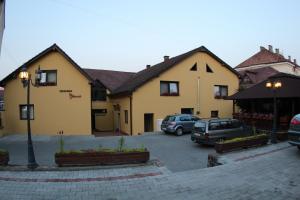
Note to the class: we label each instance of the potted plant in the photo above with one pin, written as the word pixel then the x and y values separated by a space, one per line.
pixel 102 156
pixel 243 142
pixel 4 157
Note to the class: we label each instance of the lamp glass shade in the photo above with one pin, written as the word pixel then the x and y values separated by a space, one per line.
pixel 268 84
pixel 24 75
pixel 278 84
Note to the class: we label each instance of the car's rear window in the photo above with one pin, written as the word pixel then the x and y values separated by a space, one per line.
pixel 169 118
pixel 200 126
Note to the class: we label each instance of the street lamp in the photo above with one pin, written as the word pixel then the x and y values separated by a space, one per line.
pixel 25 77
pixel 275 85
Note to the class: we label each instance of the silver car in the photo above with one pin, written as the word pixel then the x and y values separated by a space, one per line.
pixel 178 124
pixel 209 131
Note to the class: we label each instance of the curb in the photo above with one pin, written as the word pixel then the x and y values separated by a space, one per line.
pixel 154 162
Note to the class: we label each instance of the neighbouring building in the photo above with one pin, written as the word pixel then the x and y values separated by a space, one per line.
pixel 264 64
pixel 80 101
pixel 1 111
pixel 2 20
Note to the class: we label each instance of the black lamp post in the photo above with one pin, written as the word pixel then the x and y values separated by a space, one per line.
pixel 274 86
pixel 27 82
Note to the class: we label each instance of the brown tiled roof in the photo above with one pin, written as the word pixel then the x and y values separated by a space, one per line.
pixel 53 47
pixel 110 79
pixel 289 89
pixel 147 74
pixel 264 56
pixel 259 74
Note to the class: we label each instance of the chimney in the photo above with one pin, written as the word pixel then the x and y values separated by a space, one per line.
pixel 148 66
pixel 166 58
pixel 277 50
pixel 271 48
pixel 295 61
pixel 262 48
pixel 289 58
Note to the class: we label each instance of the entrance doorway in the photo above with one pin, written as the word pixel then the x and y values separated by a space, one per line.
pixel 148 122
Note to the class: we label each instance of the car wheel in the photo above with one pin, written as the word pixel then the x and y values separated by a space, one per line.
pixel 179 131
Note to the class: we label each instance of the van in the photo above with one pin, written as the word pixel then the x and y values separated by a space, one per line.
pixel 209 131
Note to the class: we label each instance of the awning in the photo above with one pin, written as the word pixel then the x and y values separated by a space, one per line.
pixel 290 89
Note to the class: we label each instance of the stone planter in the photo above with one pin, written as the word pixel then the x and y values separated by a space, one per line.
pixel 251 142
pixel 101 158
pixel 4 158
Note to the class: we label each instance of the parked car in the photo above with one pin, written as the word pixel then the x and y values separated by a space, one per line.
pixel 294 131
pixel 209 131
pixel 178 124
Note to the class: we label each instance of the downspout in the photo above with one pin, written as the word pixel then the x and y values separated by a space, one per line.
pixel 91 91
pixel 130 99
pixel 198 96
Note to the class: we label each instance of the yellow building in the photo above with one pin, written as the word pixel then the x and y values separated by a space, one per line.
pixel 78 100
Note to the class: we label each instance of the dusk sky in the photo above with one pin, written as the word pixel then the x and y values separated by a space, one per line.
pixel 128 35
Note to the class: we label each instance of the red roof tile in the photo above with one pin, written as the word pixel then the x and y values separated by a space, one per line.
pixel 258 75
pixel 263 57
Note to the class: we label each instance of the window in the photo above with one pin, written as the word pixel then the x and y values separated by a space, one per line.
pixel 214 126
pixel 1 105
pixel 236 124
pixel 185 118
pixel 220 91
pixel 23 112
pixel 187 111
pixel 48 78
pixel 169 88
pixel 1 124
pixel 99 112
pixel 208 69
pixel 214 113
pixel 194 68
pixel 98 93
pixel 126 116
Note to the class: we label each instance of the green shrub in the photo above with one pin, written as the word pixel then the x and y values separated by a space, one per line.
pixel 242 139
pixel 121 143
pixel 120 148
pixel 2 152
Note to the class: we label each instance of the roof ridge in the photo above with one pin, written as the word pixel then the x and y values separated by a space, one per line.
pixel 259 59
pixel 145 75
pixel 53 47
pixel 108 70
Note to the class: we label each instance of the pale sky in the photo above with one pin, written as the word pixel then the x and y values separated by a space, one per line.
pixel 127 35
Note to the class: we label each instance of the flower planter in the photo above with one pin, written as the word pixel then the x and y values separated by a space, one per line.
pixel 251 142
pixel 282 136
pixel 101 158
pixel 4 158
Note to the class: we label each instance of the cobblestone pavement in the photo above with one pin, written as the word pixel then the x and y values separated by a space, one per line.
pixel 169 149
pixel 275 175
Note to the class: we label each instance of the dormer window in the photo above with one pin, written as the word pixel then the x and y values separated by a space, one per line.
pixel 99 93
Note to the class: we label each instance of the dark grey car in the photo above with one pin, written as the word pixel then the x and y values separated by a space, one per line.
pixel 178 124
pixel 294 131
pixel 209 131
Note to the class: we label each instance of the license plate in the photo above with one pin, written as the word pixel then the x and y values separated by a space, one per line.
pixel 164 129
pixel 197 134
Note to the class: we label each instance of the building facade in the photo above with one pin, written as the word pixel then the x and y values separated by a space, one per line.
pixel 264 64
pixel 80 101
